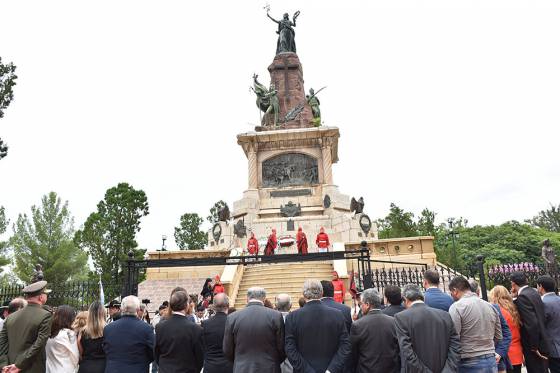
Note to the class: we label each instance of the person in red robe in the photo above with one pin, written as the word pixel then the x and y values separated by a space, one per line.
pixel 271 244
pixel 339 290
pixel 253 245
pixel 218 287
pixel 322 241
pixel 301 241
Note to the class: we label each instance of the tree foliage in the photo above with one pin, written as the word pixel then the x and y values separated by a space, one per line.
pixel 45 238
pixel 109 234
pixel 3 244
pixel 7 83
pixel 398 223
pixel 188 235
pixel 213 217
pixel 547 219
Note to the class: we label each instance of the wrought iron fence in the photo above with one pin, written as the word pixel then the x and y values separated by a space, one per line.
pixel 78 294
pixel 499 274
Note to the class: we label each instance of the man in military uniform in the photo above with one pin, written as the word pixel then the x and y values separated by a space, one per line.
pixel 25 333
pixel 114 307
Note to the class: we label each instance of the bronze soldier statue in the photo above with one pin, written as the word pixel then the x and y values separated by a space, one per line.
pixel 549 257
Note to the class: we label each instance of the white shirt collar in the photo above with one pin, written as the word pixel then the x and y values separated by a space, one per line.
pixel 256 301
pixel 549 293
pixel 521 289
pixel 416 302
pixel 433 287
pixel 179 313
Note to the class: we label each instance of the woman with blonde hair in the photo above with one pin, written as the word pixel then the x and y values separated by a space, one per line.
pixel 500 295
pixel 80 322
pixel 90 340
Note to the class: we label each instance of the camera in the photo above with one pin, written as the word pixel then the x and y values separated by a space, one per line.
pixel 146 301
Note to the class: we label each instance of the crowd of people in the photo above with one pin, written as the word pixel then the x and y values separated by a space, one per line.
pixel 402 330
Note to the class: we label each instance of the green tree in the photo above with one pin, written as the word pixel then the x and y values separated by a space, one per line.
pixel 547 219
pixel 188 235
pixel 109 234
pixel 7 82
pixel 3 244
pixel 46 238
pixel 213 217
pixel 426 223
pixel 398 223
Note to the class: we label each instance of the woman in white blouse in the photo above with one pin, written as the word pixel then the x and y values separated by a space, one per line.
pixel 62 347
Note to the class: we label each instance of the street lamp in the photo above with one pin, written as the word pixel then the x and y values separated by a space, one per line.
pixel 453 233
pixel 163 238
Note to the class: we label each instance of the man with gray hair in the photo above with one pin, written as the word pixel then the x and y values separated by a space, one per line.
pixel 316 337
pixel 427 338
pixel 375 347
pixel 254 336
pixel 213 338
pixel 128 342
pixel 284 305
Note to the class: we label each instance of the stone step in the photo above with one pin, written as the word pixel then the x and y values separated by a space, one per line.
pixel 287 266
pixel 286 281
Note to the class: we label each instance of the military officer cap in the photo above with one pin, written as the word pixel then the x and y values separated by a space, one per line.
pixel 36 288
pixel 113 304
pixel 5 305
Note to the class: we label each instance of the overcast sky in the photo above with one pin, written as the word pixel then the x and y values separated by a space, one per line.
pixel 450 105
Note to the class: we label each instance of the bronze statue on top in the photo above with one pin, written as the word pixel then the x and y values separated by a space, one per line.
pixel 286 34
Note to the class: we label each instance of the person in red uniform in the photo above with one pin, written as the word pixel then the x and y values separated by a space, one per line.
pixel 339 290
pixel 253 245
pixel 271 244
pixel 301 241
pixel 322 241
pixel 218 287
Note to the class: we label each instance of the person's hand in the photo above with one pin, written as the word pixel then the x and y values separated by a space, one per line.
pixel 498 357
pixel 11 369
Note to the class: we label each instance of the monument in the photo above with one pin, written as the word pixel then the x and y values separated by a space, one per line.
pixel 290 158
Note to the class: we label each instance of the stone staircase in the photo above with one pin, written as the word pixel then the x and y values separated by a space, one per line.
pixel 281 278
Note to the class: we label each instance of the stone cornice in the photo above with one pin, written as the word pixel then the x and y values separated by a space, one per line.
pixel 291 139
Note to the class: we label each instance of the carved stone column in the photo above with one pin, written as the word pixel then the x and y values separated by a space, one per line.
pixel 327 160
pixel 253 166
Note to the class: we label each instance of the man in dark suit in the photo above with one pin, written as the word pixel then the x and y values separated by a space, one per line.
pixel 427 338
pixel 533 332
pixel 128 342
pixel 25 333
pixel 178 346
pixel 213 338
pixel 393 297
pixel 546 287
pixel 316 335
pixel 375 347
pixel 328 300
pixel 254 336
pixel 434 297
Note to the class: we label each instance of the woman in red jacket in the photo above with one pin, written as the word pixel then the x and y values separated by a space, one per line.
pixel 218 287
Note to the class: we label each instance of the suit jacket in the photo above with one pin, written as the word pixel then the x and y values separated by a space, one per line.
pixel 436 298
pixel 533 331
pixel 375 347
pixel 213 340
pixel 330 302
pixel 254 339
pixel 427 339
pixel 24 337
pixel 317 339
pixel 178 346
pixel 552 322
pixel 392 310
pixel 129 345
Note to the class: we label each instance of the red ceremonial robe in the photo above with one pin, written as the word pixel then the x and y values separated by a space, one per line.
pixel 253 246
pixel 271 245
pixel 301 241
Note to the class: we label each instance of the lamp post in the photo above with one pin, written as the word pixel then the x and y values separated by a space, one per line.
pixel 163 238
pixel 453 233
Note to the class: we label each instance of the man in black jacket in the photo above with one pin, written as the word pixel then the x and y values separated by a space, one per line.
pixel 375 347
pixel 394 299
pixel 178 346
pixel 213 338
pixel 533 331
pixel 427 338
pixel 328 300
pixel 254 336
pixel 316 335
